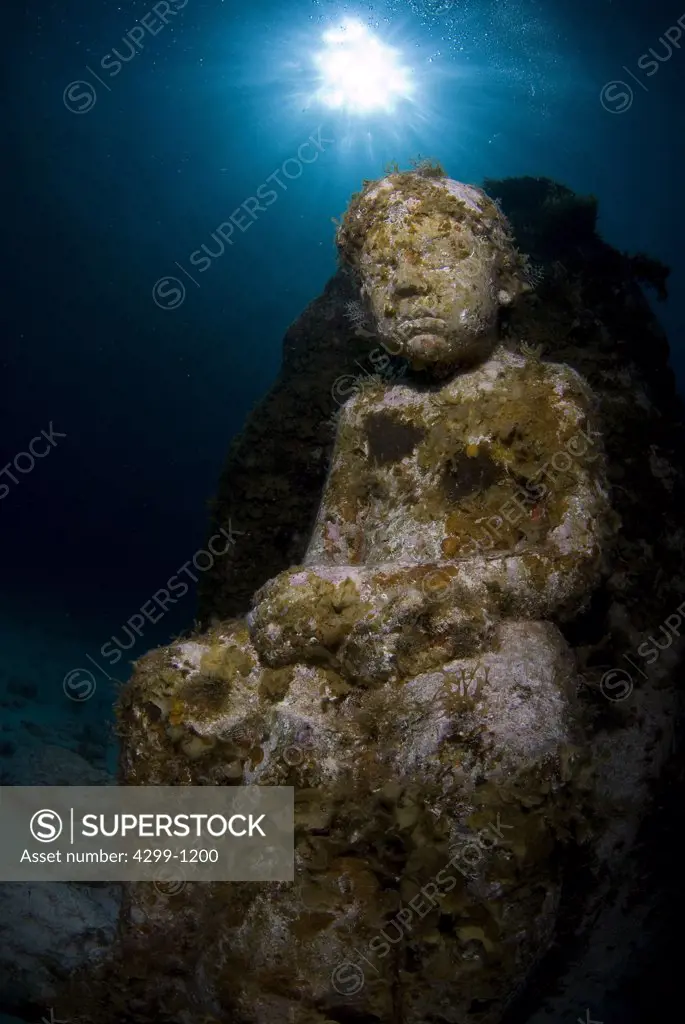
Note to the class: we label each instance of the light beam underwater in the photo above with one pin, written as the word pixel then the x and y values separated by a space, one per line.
pixel 358 73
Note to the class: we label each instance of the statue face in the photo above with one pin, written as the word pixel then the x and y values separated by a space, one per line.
pixel 435 262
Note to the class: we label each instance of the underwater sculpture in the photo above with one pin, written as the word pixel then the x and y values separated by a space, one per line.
pixel 409 677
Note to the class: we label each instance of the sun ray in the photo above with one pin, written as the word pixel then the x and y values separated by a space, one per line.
pixel 358 73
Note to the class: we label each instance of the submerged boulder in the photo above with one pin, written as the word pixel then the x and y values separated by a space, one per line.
pixel 437 671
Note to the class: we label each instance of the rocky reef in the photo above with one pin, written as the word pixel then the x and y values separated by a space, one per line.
pixel 447 562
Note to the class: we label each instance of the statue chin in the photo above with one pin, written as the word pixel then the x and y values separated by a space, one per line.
pixel 429 347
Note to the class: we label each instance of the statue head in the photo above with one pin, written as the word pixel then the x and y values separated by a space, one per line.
pixel 436 262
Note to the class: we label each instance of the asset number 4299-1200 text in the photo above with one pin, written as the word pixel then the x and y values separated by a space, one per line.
pixel 192 856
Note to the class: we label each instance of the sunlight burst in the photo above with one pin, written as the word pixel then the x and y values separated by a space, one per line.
pixel 360 74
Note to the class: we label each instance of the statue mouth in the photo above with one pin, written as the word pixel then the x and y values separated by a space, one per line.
pixel 423 325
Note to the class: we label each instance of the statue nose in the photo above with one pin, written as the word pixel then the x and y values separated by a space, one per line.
pixel 408 282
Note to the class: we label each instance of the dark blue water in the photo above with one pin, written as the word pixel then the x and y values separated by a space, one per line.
pixel 117 176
